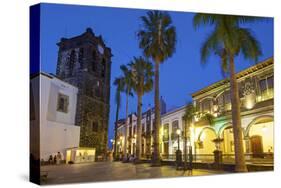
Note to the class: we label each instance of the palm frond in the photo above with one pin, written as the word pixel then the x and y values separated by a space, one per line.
pixel 142 75
pixel 250 46
pixel 202 19
pixel 157 37
pixel 213 43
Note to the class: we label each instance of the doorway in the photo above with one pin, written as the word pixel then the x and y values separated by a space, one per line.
pixel 256 146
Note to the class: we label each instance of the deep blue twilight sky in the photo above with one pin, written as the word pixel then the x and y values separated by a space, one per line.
pixel 180 75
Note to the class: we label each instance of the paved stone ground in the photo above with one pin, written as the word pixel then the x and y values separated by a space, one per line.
pixel 108 171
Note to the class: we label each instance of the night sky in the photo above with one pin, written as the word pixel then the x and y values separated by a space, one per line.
pixel 180 75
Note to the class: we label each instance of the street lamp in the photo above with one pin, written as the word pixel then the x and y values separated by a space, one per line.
pixel 134 144
pixel 178 153
pixel 112 142
pixel 190 155
pixel 120 150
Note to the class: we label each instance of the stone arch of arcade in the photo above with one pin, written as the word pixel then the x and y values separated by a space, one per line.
pixel 205 140
pixel 259 135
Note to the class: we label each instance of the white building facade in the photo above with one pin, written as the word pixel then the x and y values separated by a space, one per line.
pixel 54 109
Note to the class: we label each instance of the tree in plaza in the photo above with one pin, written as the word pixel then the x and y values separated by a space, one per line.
pixel 157 39
pixel 118 82
pixel 127 82
pixel 142 76
pixel 228 40
pixel 187 119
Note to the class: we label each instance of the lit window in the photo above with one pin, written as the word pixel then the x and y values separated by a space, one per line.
pixel 166 132
pixel 175 126
pixel 266 88
pixel 62 103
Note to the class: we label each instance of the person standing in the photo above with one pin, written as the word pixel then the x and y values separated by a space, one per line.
pixel 58 158
pixel 55 159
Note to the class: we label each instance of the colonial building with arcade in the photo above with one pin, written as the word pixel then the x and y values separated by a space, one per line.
pixel 256 91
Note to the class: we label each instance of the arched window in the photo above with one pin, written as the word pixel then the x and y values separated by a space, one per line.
pixel 103 68
pixel 94 61
pixel 80 57
pixel 71 62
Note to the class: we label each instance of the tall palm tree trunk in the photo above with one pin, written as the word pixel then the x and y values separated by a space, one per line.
pixel 185 143
pixel 138 148
pixel 240 165
pixel 126 129
pixel 156 157
pixel 115 133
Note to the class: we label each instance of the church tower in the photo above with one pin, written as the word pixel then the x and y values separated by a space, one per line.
pixel 85 62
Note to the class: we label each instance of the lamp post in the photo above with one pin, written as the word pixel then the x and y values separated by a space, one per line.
pixel 190 155
pixel 178 153
pixel 112 144
pixel 118 150
pixel 134 144
pixel 178 133
pixel 112 149
pixel 121 147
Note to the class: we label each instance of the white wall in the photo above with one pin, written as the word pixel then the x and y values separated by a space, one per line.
pixel 57 129
pixel 34 128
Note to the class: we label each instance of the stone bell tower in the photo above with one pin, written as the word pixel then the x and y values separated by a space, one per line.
pixel 85 61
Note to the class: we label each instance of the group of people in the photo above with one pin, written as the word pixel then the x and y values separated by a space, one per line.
pixel 56 159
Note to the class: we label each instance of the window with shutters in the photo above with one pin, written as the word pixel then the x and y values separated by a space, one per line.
pixel 62 103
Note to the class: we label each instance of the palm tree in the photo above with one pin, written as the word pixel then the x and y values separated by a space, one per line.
pixel 187 119
pixel 157 38
pixel 142 72
pixel 118 82
pixel 227 41
pixel 127 84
